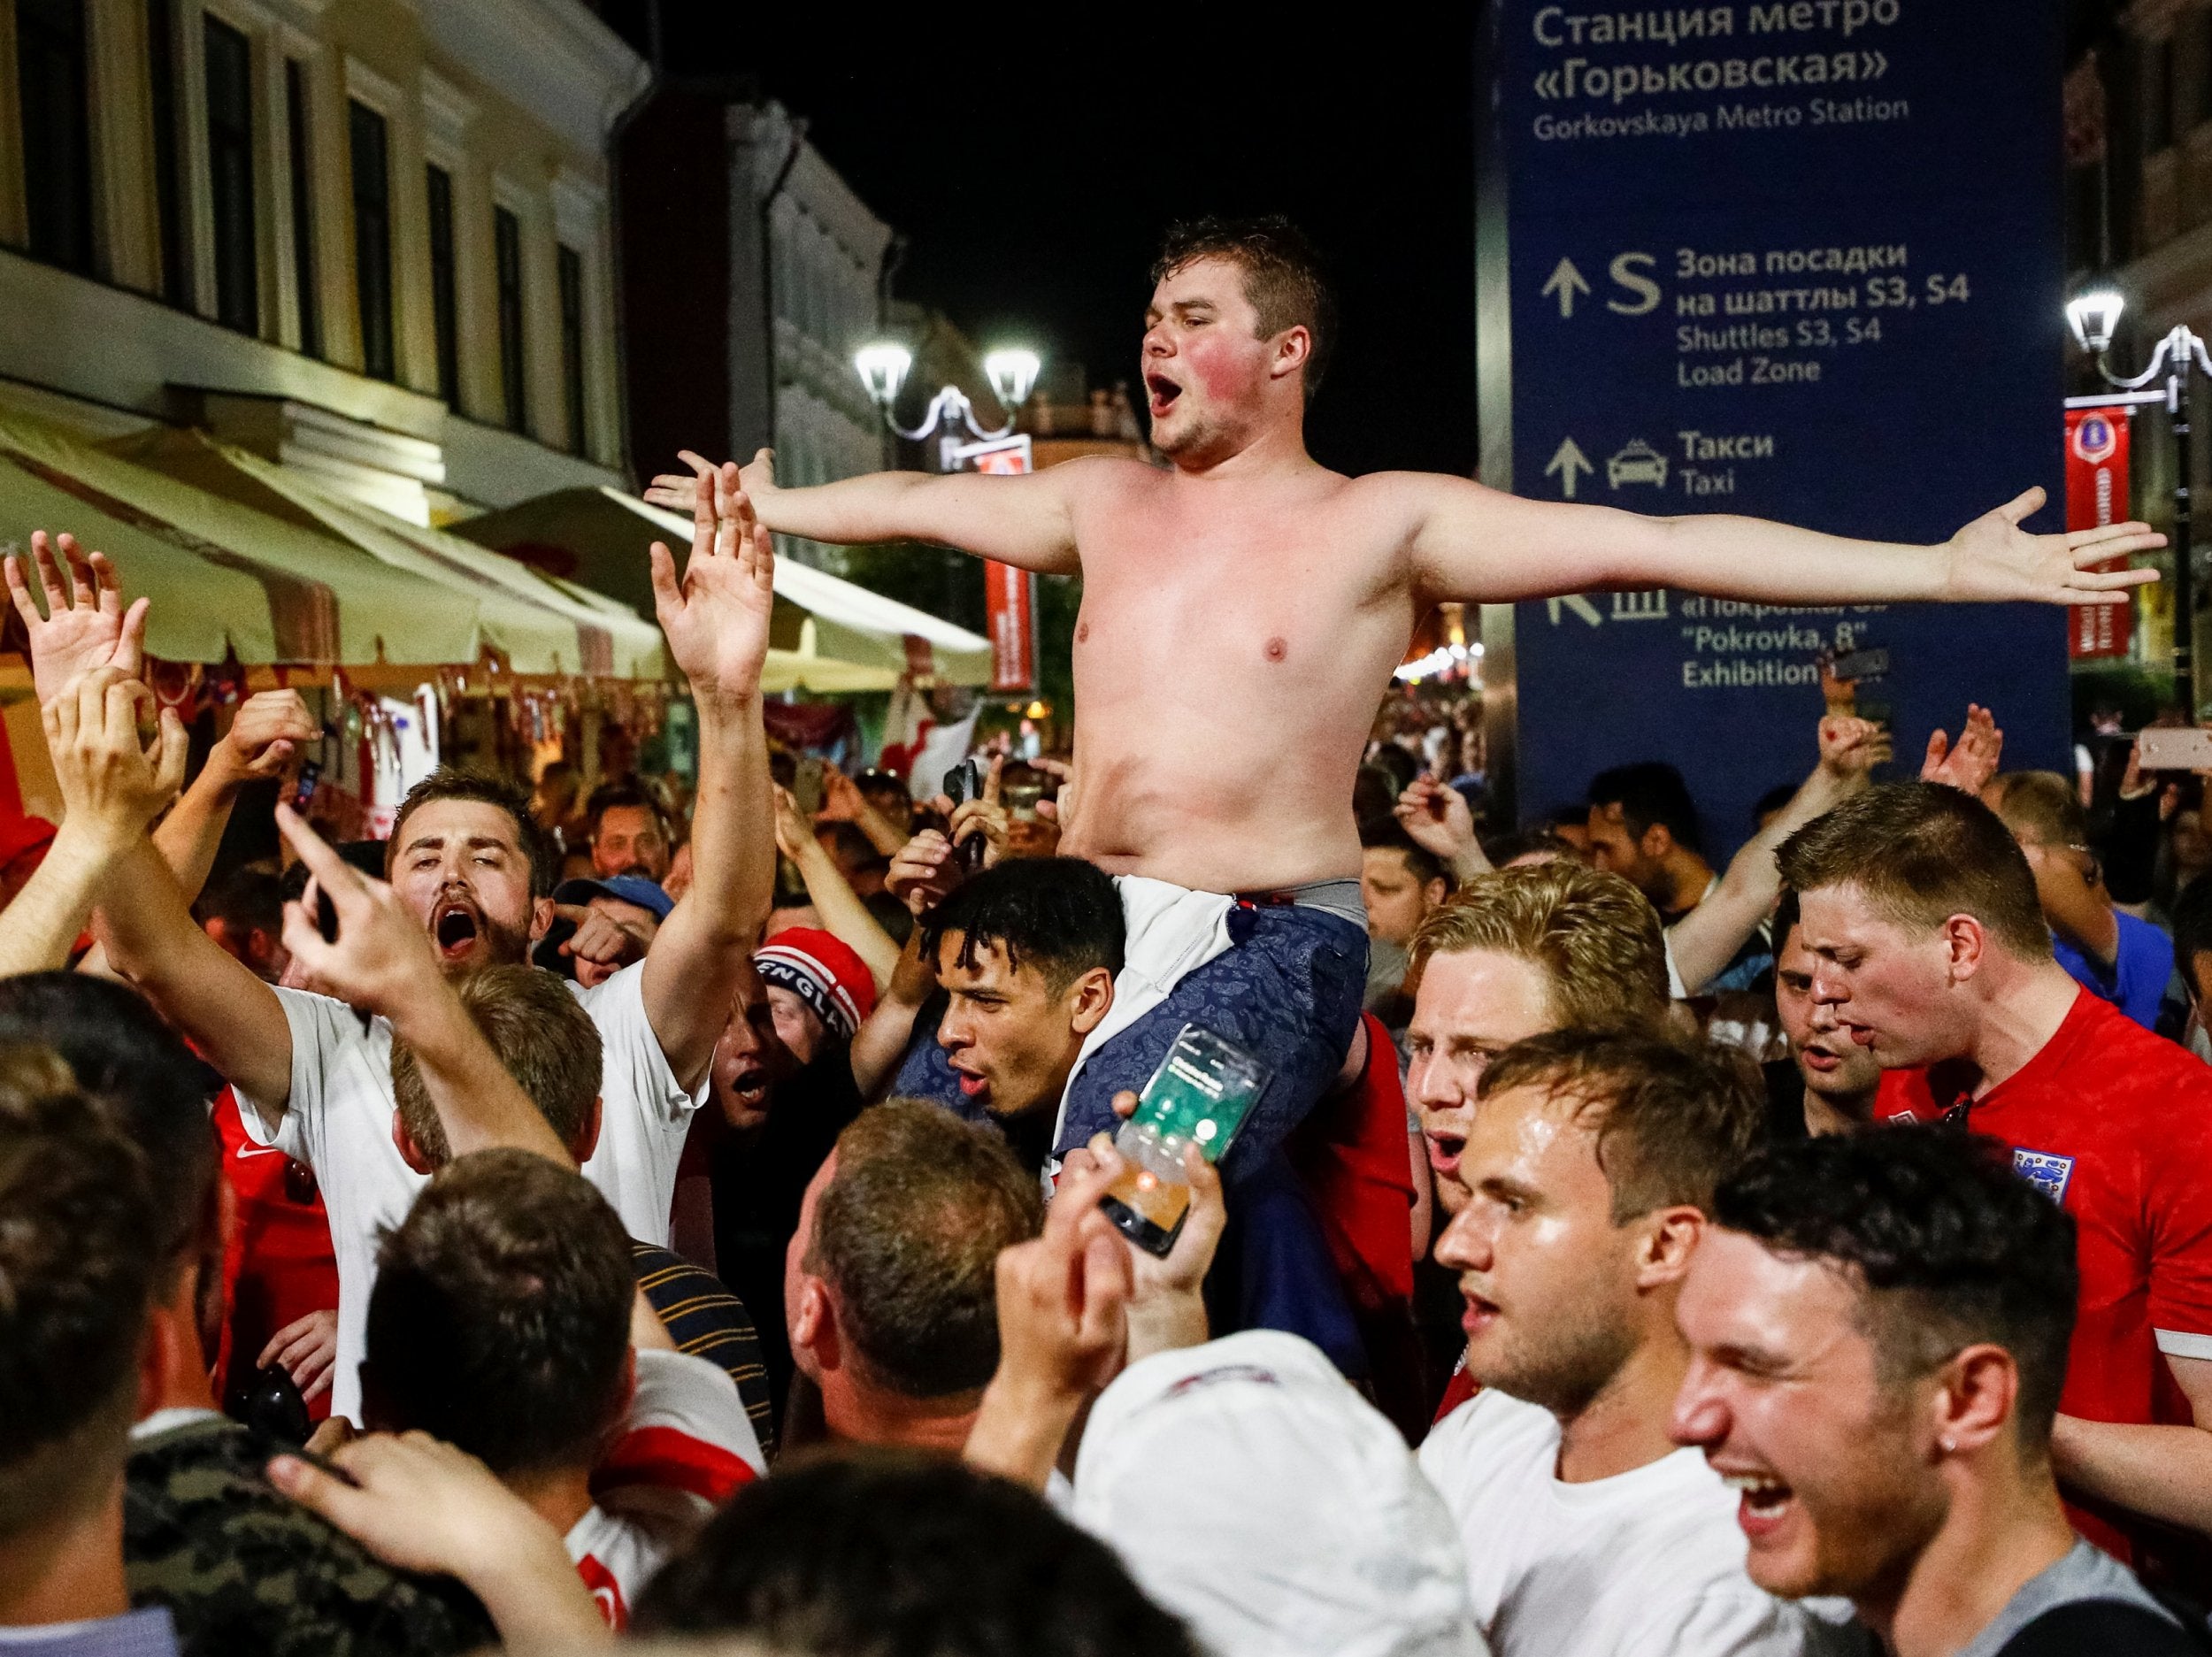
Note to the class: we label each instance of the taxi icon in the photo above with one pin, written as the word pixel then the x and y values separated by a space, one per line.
pixel 1637 463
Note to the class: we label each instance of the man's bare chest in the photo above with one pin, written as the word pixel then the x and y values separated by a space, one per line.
pixel 1218 601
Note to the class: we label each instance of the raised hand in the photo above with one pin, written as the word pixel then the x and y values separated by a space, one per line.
pixel 381 956
pixel 111 786
pixel 1061 808
pixel 602 946
pixel 678 491
pixel 272 729
pixel 1435 816
pixel 1850 747
pixel 1182 1271
pixel 1994 560
pixel 794 834
pixel 85 624
pixel 715 617
pixel 924 872
pixel 1971 762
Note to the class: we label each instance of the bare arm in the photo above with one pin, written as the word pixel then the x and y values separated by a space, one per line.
pixel 843 793
pixel 1024 521
pixel 235 1019
pixel 883 1035
pixel 2160 1472
pixel 716 623
pixel 1706 940
pixel 843 912
pixel 264 741
pixel 1471 542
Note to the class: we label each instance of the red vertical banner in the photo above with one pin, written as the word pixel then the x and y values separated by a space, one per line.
pixel 2097 495
pixel 1010 610
pixel 1009 595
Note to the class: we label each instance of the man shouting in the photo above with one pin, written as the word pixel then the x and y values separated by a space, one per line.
pixel 1243 608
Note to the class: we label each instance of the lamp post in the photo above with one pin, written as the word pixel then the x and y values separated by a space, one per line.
pixel 883 368
pixel 2094 316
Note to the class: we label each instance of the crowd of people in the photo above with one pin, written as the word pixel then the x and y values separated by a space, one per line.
pixel 687 1214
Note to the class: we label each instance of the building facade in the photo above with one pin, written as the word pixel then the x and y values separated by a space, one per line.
pixel 369 238
pixel 743 311
pixel 2138 130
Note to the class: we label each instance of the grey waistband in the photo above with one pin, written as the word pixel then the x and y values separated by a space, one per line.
pixel 1340 898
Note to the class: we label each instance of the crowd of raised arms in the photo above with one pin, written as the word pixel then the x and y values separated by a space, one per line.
pixel 641 1214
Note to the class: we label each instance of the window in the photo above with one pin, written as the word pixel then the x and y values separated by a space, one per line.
pixel 572 265
pixel 49 50
pixel 302 208
pixel 507 248
pixel 2157 96
pixel 445 309
pixel 161 77
pixel 372 238
pixel 230 176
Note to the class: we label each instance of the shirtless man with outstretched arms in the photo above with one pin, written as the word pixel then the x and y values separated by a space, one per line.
pixel 1243 607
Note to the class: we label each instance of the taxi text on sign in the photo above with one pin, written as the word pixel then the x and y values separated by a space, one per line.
pixel 1801 260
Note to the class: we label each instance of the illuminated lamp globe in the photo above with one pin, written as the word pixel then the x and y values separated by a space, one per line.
pixel 1013 372
pixel 2094 318
pixel 883 368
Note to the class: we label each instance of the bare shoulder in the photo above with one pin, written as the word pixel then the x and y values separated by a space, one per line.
pixel 1099 477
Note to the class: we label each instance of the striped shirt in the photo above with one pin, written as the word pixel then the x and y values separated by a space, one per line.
pixel 704 1319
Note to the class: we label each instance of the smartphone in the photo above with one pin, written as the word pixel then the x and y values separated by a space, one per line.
pixel 806 785
pixel 1857 664
pixel 964 781
pixel 2174 748
pixel 1203 1090
pixel 325 917
pixel 311 775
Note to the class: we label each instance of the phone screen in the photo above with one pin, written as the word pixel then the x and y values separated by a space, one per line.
pixel 2174 748
pixel 1200 1095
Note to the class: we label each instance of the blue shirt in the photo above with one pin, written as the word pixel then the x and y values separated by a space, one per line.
pixel 2137 980
pixel 147 1633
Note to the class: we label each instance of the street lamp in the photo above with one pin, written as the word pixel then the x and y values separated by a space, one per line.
pixel 2094 318
pixel 883 367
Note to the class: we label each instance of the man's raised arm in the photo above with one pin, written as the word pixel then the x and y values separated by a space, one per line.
pixel 1025 521
pixel 1471 542
pixel 716 617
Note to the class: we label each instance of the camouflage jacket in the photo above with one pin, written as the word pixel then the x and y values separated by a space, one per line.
pixel 244 1571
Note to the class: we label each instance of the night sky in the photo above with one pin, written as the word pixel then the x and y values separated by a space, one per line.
pixel 1032 169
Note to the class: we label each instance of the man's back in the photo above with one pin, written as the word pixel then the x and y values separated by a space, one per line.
pixel 244 1570
pixel 1650 1560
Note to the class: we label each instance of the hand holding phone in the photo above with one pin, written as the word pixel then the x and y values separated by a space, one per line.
pixel 1203 1090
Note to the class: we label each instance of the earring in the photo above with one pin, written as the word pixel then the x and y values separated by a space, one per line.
pixel 1949 1446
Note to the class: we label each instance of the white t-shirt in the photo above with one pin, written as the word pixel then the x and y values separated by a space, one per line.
pixel 688 1447
pixel 1649 1563
pixel 338 1120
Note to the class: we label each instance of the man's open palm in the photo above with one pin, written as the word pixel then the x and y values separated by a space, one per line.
pixel 85 625
pixel 716 617
pixel 1994 560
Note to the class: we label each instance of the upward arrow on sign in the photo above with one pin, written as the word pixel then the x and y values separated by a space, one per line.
pixel 1566 463
pixel 1566 282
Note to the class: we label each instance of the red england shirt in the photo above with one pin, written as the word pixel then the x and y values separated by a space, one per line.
pixel 2113 1123
pixel 280 1266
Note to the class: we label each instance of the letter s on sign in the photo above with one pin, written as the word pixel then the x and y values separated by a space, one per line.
pixel 1629 270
